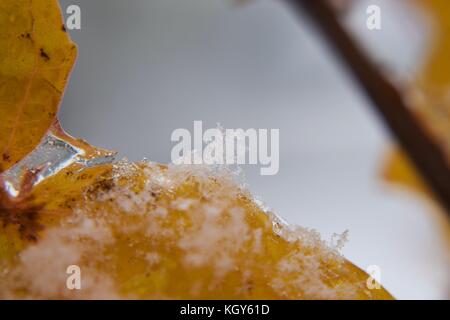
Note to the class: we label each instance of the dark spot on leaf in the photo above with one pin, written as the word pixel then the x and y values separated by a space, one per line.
pixel 63 28
pixel 6 157
pixel 101 186
pixel 22 214
pixel 155 195
pixel 26 35
pixel 44 55
pixel 21 211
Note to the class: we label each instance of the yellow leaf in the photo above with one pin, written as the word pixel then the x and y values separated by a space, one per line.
pixel 36 57
pixel 144 230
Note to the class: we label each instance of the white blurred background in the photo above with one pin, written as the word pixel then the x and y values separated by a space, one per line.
pixel 147 67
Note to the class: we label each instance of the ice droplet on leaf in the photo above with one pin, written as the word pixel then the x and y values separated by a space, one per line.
pixel 57 151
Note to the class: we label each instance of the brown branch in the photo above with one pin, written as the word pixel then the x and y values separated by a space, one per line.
pixel 421 149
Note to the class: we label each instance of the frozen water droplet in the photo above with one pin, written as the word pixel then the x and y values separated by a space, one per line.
pixel 52 155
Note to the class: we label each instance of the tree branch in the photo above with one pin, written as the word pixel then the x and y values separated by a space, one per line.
pixel 421 149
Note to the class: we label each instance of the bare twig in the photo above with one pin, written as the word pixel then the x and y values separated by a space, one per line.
pixel 422 150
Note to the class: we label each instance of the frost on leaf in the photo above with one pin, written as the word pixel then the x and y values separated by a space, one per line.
pixel 146 230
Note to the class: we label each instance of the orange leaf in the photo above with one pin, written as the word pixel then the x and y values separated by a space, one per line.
pixel 36 57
